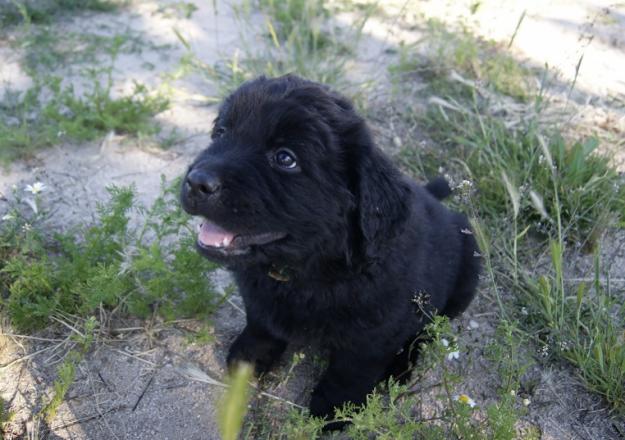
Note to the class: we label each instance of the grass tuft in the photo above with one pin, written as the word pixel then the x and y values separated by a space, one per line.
pixel 445 50
pixel 14 12
pixel 143 271
pixel 49 113
pixel 579 323
pixel 298 37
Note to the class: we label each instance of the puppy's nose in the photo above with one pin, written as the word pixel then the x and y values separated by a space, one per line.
pixel 203 183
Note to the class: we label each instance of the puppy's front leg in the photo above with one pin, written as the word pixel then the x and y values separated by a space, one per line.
pixel 349 378
pixel 256 346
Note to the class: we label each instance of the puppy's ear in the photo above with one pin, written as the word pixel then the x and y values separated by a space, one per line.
pixel 382 198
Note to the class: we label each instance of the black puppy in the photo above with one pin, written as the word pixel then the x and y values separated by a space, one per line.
pixel 325 237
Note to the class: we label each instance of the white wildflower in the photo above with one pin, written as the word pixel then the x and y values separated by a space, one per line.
pixel 445 342
pixel 6 217
pixel 35 188
pixel 463 398
pixel 453 355
pixel 526 402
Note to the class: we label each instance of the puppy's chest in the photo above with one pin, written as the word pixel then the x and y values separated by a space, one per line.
pixel 316 310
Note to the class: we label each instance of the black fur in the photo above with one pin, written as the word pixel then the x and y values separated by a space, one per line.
pixel 357 241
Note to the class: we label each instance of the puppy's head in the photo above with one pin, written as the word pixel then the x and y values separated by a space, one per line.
pixel 291 175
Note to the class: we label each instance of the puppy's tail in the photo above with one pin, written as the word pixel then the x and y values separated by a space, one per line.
pixel 438 187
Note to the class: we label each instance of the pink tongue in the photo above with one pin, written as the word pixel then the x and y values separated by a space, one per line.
pixel 212 235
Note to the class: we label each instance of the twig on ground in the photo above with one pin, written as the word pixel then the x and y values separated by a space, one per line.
pixel 35 338
pixel 145 389
pixel 132 355
pixel 32 355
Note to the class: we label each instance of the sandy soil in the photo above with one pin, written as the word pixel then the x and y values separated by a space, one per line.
pixel 150 383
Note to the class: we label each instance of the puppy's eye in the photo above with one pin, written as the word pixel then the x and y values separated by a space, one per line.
pixel 219 131
pixel 285 159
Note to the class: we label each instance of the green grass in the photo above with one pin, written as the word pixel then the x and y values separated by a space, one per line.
pixel 47 48
pixel 67 370
pixel 178 9
pixel 14 12
pixel 297 38
pixel 583 324
pixel 588 189
pixel 113 265
pixel 49 113
pixel 446 49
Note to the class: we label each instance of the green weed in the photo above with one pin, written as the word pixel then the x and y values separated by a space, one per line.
pixel 178 9
pixel 6 416
pixel 46 48
pixel 67 370
pixel 49 113
pixel 583 325
pixel 448 49
pixel 153 269
pixel 233 406
pixel 14 12
pixel 525 160
pixel 298 39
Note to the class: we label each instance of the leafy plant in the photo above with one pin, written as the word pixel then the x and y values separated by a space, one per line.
pixel 151 269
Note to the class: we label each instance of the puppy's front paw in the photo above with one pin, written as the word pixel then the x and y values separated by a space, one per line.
pixel 259 349
pixel 321 407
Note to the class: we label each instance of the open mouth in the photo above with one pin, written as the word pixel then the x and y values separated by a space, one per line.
pixel 214 238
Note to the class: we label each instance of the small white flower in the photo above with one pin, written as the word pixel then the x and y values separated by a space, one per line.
pixel 445 342
pixel 35 188
pixel 453 355
pixel 27 227
pixel 6 217
pixel 524 311
pixel 463 398
pixel 526 402
pixel 512 393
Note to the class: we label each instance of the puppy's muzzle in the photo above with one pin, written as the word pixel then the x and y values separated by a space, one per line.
pixel 201 185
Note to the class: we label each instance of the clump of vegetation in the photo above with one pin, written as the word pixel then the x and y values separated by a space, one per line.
pixel 67 370
pixel 14 12
pixel 49 113
pixel 543 171
pixel 445 50
pixel 298 39
pixel 582 324
pixel 46 48
pixel 153 269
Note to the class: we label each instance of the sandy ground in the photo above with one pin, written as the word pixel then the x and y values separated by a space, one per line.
pixel 150 383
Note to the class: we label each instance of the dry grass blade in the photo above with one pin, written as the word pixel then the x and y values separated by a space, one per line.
pixel 192 372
